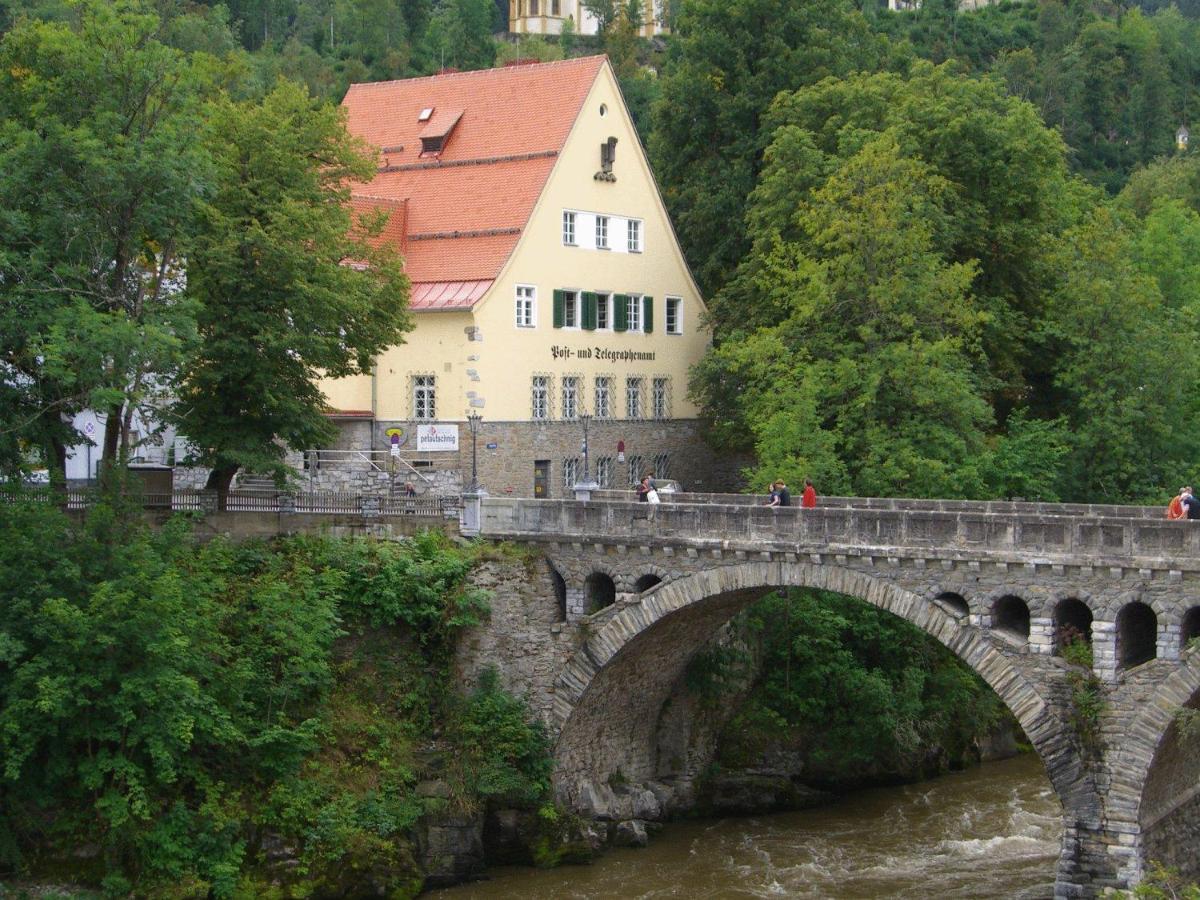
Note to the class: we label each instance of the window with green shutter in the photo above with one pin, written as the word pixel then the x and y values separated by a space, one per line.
pixel 559 307
pixel 589 311
pixel 620 312
pixel 647 314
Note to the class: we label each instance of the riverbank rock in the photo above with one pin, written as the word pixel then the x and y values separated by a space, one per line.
pixel 630 833
pixel 747 793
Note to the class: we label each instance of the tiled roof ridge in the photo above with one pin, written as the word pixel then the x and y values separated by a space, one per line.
pixel 575 60
pixel 465 233
pixel 440 163
pixel 357 195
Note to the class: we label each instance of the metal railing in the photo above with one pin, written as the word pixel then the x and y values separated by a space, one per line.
pixel 382 461
pixel 257 501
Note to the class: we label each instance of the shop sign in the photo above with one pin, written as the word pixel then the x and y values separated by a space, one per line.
pixel 437 437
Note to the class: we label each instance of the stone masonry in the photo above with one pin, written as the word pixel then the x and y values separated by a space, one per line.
pixel 638 589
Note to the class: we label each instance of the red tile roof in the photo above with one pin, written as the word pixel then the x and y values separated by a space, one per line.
pixel 465 208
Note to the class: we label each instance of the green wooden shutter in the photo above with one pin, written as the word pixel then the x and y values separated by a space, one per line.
pixel 559 305
pixel 647 314
pixel 620 312
pixel 589 311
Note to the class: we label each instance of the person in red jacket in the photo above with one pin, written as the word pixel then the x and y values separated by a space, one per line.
pixel 809 498
pixel 1175 508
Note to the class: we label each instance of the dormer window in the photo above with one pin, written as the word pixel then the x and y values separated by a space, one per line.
pixel 436 133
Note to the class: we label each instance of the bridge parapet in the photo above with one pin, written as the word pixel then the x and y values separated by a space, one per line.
pixel 1089 510
pixel 940 533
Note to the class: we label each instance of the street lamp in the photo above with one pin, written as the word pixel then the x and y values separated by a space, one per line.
pixel 585 486
pixel 587 475
pixel 473 420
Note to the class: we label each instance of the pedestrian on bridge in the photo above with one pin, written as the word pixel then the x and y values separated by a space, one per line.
pixel 1190 504
pixel 780 495
pixel 808 499
pixel 1175 508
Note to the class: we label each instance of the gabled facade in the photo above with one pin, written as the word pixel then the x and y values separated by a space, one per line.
pixel 547 283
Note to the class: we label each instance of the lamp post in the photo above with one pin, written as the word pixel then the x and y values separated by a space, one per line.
pixel 473 420
pixel 587 475
pixel 585 486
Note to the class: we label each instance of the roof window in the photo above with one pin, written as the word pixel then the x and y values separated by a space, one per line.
pixel 425 115
pixel 436 132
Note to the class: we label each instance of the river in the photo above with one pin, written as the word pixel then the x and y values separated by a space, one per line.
pixel 990 832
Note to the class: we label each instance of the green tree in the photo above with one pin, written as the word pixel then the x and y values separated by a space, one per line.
pixel 884 321
pixel 726 64
pixel 288 284
pixel 98 172
pixel 460 35
pixel 1119 343
pixel 873 366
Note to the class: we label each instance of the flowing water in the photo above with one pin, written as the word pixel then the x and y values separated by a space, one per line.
pixel 990 832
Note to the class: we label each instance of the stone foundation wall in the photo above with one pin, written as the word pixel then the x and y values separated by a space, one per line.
pixel 507 468
pixel 1172 841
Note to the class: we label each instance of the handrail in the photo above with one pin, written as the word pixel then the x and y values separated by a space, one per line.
pixel 367 456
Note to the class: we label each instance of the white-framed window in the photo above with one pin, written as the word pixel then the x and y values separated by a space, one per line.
pixel 571 309
pixel 568 230
pixel 674 323
pixel 424 397
pixel 660 398
pixel 526 306
pixel 540 397
pixel 603 312
pixel 662 465
pixel 604 397
pixel 601 232
pixel 633 398
pixel 633 235
pixel 636 469
pixel 570 469
pixel 604 471
pixel 570 397
pixel 634 319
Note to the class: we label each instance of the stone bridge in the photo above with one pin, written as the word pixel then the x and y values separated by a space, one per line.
pixel 641 588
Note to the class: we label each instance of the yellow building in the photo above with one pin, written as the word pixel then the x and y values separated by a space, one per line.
pixel 549 16
pixel 547 284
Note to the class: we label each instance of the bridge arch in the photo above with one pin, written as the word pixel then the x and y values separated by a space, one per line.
pixel 609 696
pixel 1155 793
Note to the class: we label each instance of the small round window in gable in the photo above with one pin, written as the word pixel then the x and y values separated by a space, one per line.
pixel 603 110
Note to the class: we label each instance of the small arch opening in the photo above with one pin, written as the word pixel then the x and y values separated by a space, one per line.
pixel 1072 623
pixel 953 603
pixel 600 591
pixel 560 591
pixel 1189 628
pixel 1011 614
pixel 1137 635
pixel 646 582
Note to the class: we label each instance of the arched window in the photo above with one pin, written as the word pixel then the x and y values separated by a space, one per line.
pixel 1011 614
pixel 1072 622
pixel 1137 635
pixel 953 603
pixel 646 582
pixel 600 591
